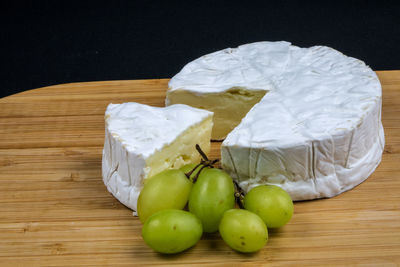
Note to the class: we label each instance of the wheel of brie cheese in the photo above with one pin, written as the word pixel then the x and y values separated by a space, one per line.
pixel 141 141
pixel 305 119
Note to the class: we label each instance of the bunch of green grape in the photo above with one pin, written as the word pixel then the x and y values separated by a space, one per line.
pixel 177 206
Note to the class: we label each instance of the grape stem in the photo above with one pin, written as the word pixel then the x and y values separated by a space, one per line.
pixel 205 162
pixel 201 152
pixel 239 195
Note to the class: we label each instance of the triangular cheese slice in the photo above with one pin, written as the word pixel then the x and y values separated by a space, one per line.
pixel 141 141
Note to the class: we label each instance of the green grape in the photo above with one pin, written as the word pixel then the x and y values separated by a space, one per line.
pixel 212 194
pixel 271 203
pixel 188 167
pixel 168 189
pixel 243 230
pixel 172 231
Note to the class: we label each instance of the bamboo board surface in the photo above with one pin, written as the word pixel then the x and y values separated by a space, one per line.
pixel 55 210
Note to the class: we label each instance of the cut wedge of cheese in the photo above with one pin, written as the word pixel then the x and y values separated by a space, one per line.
pixel 141 141
pixel 315 129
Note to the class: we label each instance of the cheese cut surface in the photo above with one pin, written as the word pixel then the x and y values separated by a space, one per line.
pixel 229 107
pixel 141 141
pixel 316 132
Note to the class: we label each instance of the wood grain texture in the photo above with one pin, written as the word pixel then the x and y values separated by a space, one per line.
pixel 55 210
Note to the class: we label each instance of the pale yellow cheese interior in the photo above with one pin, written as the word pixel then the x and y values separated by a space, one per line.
pixel 182 150
pixel 229 107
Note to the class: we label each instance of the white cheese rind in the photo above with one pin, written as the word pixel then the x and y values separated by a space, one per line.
pixel 248 66
pixel 135 132
pixel 318 130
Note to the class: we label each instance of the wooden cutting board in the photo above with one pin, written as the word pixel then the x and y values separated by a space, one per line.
pixel 55 210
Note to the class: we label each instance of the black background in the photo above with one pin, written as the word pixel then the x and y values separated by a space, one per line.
pixel 51 43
